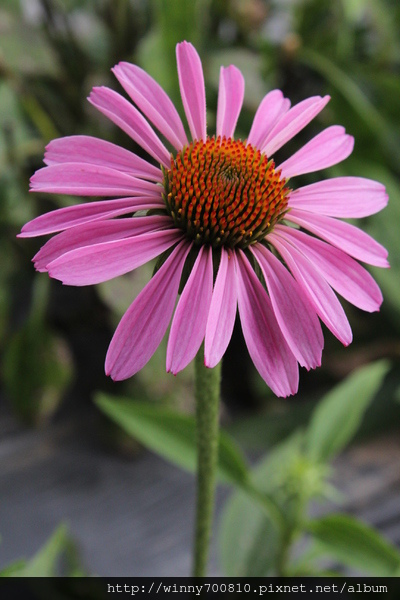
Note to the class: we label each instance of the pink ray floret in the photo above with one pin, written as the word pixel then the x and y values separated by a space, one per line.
pixel 234 237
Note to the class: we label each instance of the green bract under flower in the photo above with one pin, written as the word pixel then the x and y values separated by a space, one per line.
pixel 222 192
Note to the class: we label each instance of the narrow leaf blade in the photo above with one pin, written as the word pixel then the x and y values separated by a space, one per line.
pixel 337 417
pixel 356 545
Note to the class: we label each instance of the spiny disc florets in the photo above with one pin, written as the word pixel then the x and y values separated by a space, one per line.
pixel 223 192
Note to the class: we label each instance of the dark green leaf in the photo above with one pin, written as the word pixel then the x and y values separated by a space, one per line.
pixel 172 435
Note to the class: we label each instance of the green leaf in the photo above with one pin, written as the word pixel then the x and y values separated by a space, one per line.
pixel 356 545
pixel 250 534
pixel 14 569
pixel 45 562
pixel 172 435
pixel 337 417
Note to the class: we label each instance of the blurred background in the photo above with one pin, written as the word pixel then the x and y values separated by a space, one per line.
pixel 61 459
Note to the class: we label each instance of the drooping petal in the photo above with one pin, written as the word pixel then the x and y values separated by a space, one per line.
pixel 222 313
pixel 273 106
pixel 144 324
pixel 292 122
pixel 343 273
pixel 71 216
pixel 100 262
pixel 152 101
pixel 351 197
pixel 314 285
pixel 266 345
pixel 230 100
pixel 96 233
pixel 190 319
pixel 129 119
pixel 87 149
pixel 326 149
pixel 296 317
pixel 191 83
pixel 348 238
pixel 80 179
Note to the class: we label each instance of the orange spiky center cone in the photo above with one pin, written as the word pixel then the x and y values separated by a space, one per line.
pixel 223 192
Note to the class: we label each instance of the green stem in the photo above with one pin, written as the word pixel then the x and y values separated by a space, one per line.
pixel 207 392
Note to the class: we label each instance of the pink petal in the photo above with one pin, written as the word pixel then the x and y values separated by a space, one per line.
pixel 313 284
pixel 80 179
pixel 230 100
pixel 100 262
pixel 296 317
pixel 292 122
pixel 341 197
pixel 266 345
pixel 152 101
pixel 273 106
pixel 128 118
pixel 348 238
pixel 222 313
pixel 328 148
pixel 144 324
pixel 344 274
pixel 96 233
pixel 191 83
pixel 71 216
pixel 190 319
pixel 87 149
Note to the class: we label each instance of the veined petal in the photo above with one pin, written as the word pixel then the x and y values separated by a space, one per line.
pixel 153 101
pixel 266 345
pixel 230 100
pixel 296 317
pixel 100 262
pixel 351 197
pixel 343 273
pixel 128 118
pixel 80 179
pixel 326 149
pixel 96 233
pixel 348 238
pixel 87 149
pixel 72 216
pixel 314 285
pixel 273 106
pixel 191 83
pixel 144 324
pixel 190 319
pixel 292 122
pixel 222 313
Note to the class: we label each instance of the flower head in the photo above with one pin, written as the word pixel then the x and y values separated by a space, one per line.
pixel 256 242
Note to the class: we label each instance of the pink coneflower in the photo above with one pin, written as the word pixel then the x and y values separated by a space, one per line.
pixel 228 223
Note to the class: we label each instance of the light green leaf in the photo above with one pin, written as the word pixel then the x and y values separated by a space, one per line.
pixel 44 563
pixel 250 533
pixel 337 417
pixel 172 435
pixel 356 545
pixel 14 569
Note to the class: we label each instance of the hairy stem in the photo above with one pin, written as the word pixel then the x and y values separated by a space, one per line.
pixel 207 393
